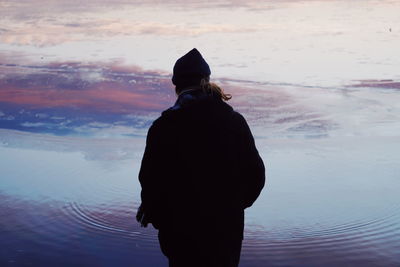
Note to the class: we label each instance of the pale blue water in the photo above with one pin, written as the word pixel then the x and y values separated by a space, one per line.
pixel 80 85
pixel 327 202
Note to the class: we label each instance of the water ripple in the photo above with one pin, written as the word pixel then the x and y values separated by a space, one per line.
pixel 375 239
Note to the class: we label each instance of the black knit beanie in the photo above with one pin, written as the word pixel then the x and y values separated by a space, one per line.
pixel 190 69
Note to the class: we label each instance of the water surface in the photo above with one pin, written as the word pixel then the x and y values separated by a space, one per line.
pixel 317 81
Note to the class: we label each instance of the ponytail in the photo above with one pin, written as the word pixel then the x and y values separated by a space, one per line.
pixel 212 88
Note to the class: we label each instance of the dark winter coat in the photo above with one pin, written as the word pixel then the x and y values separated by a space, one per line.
pixel 200 168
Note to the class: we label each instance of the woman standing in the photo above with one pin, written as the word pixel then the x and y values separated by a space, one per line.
pixel 200 170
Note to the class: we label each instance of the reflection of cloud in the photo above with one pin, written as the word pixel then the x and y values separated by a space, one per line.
pixel 33 124
pixel 390 84
pixel 62 98
pixel 76 98
pixel 275 111
pixel 41 115
pixel 102 146
pixel 57 118
pixel 49 34
pixel 67 85
pixel 62 22
pixel 18 8
pixel 8 118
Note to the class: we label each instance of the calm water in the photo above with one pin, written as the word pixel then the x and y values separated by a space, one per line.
pixel 317 81
pixel 73 201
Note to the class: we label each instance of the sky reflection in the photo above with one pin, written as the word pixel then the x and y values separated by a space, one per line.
pixel 318 82
pixel 63 98
pixel 299 42
pixel 336 204
pixel 99 98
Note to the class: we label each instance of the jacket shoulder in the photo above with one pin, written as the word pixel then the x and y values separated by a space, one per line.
pixel 239 119
pixel 163 122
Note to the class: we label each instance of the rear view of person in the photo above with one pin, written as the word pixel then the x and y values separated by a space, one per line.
pixel 199 171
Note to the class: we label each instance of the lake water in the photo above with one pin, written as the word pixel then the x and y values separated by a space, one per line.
pixel 317 81
pixel 71 201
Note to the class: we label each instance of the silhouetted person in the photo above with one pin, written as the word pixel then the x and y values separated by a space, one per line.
pixel 200 170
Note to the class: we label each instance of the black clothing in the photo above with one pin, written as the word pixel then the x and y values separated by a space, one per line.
pixel 200 170
pixel 200 251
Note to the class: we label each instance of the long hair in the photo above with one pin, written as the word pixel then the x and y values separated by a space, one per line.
pixel 207 87
pixel 213 88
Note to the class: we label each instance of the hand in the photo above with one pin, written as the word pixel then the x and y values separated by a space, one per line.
pixel 141 217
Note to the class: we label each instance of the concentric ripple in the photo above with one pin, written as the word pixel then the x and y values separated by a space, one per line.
pixel 369 242
pixel 61 209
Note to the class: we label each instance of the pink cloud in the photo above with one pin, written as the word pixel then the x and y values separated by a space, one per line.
pixel 54 85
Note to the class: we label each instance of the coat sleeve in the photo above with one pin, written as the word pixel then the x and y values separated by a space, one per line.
pixel 252 170
pixel 151 174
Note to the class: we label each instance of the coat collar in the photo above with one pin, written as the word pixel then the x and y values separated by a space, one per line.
pixel 188 97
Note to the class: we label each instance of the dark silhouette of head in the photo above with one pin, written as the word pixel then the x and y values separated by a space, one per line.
pixel 189 70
